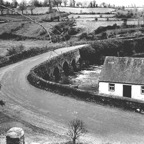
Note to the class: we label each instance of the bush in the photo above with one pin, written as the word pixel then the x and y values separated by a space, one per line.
pixel 96 52
pixel 15 50
pixel 88 54
pixel 64 30
pixel 65 80
pixel 103 29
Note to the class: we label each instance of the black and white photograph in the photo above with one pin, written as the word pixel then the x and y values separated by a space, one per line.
pixel 71 72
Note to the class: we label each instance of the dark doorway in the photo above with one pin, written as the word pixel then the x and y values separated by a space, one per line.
pixel 66 68
pixel 127 91
pixel 56 74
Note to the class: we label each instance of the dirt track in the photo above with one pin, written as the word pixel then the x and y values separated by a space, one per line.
pixel 52 112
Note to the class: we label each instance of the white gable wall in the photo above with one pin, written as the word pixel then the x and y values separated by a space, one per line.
pixel 135 90
pixel 104 88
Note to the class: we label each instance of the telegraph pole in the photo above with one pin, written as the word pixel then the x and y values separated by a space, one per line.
pixel 50 6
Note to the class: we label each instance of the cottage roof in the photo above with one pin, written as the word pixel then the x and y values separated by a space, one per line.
pixel 128 70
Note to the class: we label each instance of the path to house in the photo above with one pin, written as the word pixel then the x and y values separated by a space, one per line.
pixel 52 111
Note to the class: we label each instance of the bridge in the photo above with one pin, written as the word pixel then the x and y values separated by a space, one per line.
pixel 59 66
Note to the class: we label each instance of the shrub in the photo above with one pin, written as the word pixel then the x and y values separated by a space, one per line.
pixel 64 30
pixel 96 52
pixel 65 80
pixel 15 50
pixel 88 54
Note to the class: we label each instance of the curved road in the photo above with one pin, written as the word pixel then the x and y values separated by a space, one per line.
pixel 52 111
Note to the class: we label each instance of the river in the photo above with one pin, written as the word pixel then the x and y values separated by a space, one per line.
pixel 87 79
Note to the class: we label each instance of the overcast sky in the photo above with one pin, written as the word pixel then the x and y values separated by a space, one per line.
pixel 116 2
pixel 120 2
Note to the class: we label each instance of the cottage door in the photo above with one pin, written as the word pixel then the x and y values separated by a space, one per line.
pixel 127 91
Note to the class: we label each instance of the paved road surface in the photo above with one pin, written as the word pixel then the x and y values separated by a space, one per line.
pixel 106 124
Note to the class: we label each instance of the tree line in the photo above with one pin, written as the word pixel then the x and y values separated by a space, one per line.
pixel 23 5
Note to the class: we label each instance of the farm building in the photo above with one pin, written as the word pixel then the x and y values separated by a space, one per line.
pixel 123 76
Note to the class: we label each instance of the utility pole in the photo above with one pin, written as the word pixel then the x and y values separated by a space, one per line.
pixel 50 6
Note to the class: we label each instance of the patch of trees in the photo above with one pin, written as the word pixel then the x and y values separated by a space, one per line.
pixel 96 52
pixel 99 33
pixel 129 14
pixel 64 30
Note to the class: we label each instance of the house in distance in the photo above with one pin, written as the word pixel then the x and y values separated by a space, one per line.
pixel 123 76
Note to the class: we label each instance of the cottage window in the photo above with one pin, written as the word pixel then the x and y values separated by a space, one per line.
pixel 142 89
pixel 111 87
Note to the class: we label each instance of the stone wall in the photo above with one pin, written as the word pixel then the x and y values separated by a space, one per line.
pixel 58 66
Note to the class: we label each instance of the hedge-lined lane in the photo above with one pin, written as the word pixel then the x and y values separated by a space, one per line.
pixel 104 122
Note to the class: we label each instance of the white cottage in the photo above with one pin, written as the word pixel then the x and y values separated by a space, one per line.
pixel 123 76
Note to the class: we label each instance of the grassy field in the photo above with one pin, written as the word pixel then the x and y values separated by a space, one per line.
pixel 43 10
pixel 19 30
pixel 85 10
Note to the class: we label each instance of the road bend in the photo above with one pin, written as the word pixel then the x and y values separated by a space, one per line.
pixel 53 111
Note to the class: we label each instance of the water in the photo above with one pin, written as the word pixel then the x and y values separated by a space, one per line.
pixel 87 79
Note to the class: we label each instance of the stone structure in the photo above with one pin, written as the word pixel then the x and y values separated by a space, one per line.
pixel 15 136
pixel 59 66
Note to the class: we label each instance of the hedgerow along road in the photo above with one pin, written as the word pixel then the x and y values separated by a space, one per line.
pixel 53 111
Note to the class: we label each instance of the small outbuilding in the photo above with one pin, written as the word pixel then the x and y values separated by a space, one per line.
pixel 15 136
pixel 123 76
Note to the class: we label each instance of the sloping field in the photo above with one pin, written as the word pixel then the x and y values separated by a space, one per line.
pixel 85 10
pixel 26 29
pixel 43 10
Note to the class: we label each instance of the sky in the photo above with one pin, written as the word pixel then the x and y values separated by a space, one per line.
pixel 120 2
pixel 116 2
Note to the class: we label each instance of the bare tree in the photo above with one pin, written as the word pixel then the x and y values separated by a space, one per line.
pixel 14 3
pixel 22 6
pixel 32 6
pixel 57 2
pixel 79 4
pixel 76 129
pixel 1 8
pixel 65 2
pixel 72 3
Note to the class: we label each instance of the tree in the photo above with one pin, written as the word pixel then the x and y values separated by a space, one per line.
pixel 7 4
pixel 57 2
pixel 76 129
pixel 1 8
pixel 65 2
pixel 94 3
pixel 45 3
pixel 23 6
pixel 79 4
pixel 14 4
pixel 103 4
pixel 32 6
pixel 72 3
pixel 91 4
